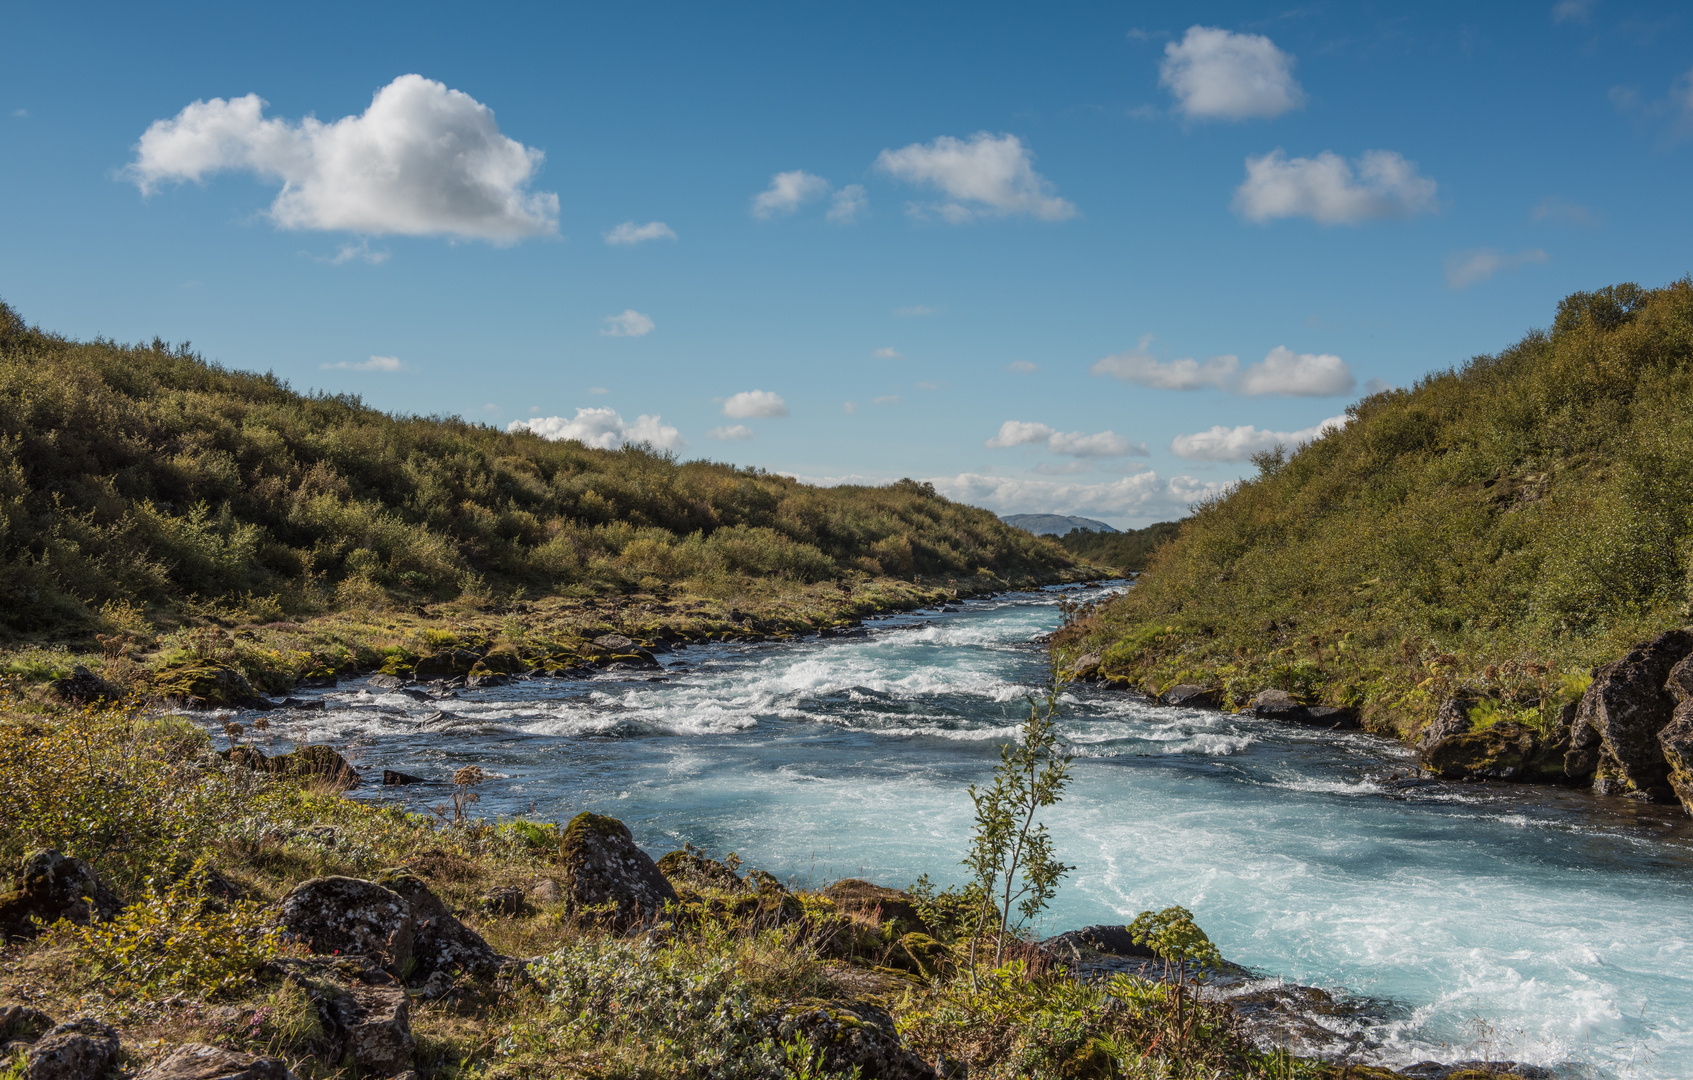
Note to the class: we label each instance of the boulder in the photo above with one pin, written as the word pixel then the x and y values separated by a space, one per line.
pixel 390 778
pixel 317 763
pixel 84 687
pixel 377 1025
pixel 604 869
pixel 1190 696
pixel 614 643
pixel 1109 940
pixel 351 917
pixel 54 887
pixel 1504 751
pixel 1284 708
pixel 855 1037
pixel 1085 666
pixel 1676 742
pixel 480 682
pixel 1615 735
pixel 448 662
pixel 385 682
pixel 545 891
pixel 80 1049
pixel 1273 699
pixel 197 1061
pixel 203 685
pixel 20 1023
pixel 689 867
pixel 440 942
pixel 855 897
pixel 507 900
pixel 1453 718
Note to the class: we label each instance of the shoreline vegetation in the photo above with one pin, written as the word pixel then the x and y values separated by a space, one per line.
pixel 1494 566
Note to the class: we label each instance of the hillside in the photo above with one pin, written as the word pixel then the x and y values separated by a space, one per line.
pixel 1055 524
pixel 1493 532
pixel 1127 552
pixel 143 478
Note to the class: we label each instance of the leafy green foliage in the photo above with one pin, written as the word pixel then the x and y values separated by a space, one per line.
pixel 1126 551
pixel 1176 938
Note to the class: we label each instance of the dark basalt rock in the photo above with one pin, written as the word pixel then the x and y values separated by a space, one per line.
pixel 84 687
pixel 602 866
pixel 353 918
pixel 479 682
pixel 390 778
pixel 1109 940
pixel 1453 718
pixel 303 704
pixel 1189 696
pixel 80 1049
pixel 317 682
pixel 197 1061
pixel 448 662
pixel 385 682
pixel 1283 708
pixel 1505 751
pixel 852 1035
pixel 1615 734
pixel 856 897
pixel 54 887
pixel 317 762
pixel 507 901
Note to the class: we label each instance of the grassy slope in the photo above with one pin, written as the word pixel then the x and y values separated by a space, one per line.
pixel 1124 551
pixel 141 478
pixel 1498 528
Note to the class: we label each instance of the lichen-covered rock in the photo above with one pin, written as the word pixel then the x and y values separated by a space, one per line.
pixel 1190 696
pixel 1453 718
pixel 316 763
pixel 377 1024
pixel 440 942
pixel 1615 736
pixel 604 869
pixel 84 687
pixel 80 1049
pixel 53 887
pixel 197 1061
pixel 851 1034
pixel 353 918
pixel 890 906
pixel 1676 741
pixel 1504 751
pixel 689 867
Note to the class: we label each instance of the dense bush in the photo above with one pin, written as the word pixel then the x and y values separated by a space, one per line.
pixel 1491 529
pixel 145 474
pixel 1125 551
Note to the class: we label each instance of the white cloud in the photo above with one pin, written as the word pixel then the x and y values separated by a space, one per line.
pixel 598 390
pixel 1142 495
pixel 361 252
pixel 926 385
pixel 1022 367
pixel 1283 371
pixel 1565 212
pixel 1077 444
pixel 1326 189
pixel 605 429
pixel 631 233
pixel 1240 443
pixel 755 403
pixel 630 323
pixel 1571 11
pixel 1466 268
pixel 886 399
pixel 848 203
pixel 787 192
pixel 1216 74
pixel 982 176
pixel 916 311
pixel 849 407
pixel 1138 365
pixel 732 433
pixel 375 363
pixel 888 352
pixel 1376 386
pixel 422 160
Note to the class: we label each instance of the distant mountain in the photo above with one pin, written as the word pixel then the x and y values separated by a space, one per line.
pixel 1054 524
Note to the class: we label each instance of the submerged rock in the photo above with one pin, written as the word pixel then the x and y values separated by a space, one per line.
pixel 80 1049
pixel 54 886
pixel 604 870
pixel 1615 734
pixel 197 1061
pixel 390 778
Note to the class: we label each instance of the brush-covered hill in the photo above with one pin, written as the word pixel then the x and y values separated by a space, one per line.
pixel 1494 531
pixel 143 475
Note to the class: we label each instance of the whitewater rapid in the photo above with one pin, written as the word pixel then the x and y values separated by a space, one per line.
pixel 1539 925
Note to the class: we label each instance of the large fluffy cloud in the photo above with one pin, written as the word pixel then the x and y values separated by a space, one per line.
pixel 1240 443
pixel 982 176
pixel 605 429
pixel 1143 495
pixel 1326 188
pixel 1282 371
pixel 1466 268
pixel 421 160
pixel 788 191
pixel 755 403
pixel 1216 74
pixel 1077 444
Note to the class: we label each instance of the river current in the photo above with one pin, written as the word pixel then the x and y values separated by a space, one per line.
pixel 1539 925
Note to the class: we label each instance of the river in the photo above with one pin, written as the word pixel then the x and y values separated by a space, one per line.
pixel 1540 925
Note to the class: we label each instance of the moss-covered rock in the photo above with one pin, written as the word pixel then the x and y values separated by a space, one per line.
pixel 316 763
pixel 1505 751
pixel 201 684
pixel 608 878
pixel 889 906
pixel 691 868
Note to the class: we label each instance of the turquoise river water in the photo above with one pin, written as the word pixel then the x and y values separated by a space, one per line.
pixel 1540 925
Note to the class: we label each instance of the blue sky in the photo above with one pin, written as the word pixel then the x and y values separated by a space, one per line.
pixel 1079 259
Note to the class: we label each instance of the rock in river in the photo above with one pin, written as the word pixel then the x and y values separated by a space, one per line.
pixel 1615 736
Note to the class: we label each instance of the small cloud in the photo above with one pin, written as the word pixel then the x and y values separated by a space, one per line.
pixel 755 403
pixel 1326 188
pixel 598 390
pixel 605 429
pixel 1216 74
pixel 1240 443
pixel 359 252
pixel 1467 268
pixel 1571 11
pixel 1138 34
pixel 631 233
pixel 848 204
pixel 886 399
pixel 1105 444
pixel 375 363
pixel 1138 365
pixel 1283 371
pixel 534 410
pixel 916 311
pixel 1564 212
pixel 787 192
pixel 888 352
pixel 927 385
pixel 733 433
pixel 849 407
pixel 490 407
pixel 20 113
pixel 1376 386
pixel 629 324
pixel 1022 367
pixel 983 176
